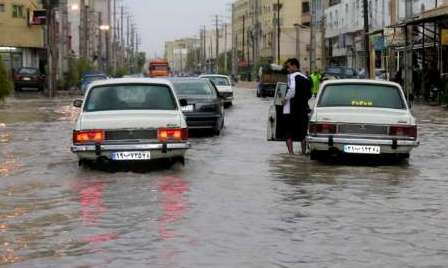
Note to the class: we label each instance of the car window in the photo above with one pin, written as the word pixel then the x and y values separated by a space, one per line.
pixel 219 81
pixel 193 88
pixel 334 70
pixel 349 72
pixel 361 95
pixel 28 71
pixel 130 97
pixel 94 78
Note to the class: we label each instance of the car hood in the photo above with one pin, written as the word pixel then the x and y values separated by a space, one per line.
pixel 357 115
pixel 130 119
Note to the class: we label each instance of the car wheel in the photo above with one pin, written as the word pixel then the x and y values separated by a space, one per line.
pixel 227 104
pixel 404 156
pixel 17 88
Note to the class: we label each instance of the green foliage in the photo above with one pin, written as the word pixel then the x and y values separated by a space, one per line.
pixel 221 63
pixel 5 83
pixel 141 60
pixel 121 71
pixel 76 67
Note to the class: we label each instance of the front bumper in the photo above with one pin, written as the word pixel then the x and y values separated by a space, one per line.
pixel 388 146
pixel 158 150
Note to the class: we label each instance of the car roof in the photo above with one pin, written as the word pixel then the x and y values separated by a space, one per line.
pixel 359 81
pixel 118 81
pixel 216 75
pixel 184 79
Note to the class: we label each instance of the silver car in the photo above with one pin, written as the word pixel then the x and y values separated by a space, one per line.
pixel 131 119
pixel 362 117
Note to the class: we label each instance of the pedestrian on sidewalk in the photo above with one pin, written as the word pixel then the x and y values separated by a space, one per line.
pixel 295 106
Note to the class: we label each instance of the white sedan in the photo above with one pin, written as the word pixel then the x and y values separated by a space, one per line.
pixel 224 86
pixel 361 117
pixel 130 119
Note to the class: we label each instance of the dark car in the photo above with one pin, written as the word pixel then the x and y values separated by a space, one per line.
pixel 88 78
pixel 203 107
pixel 337 72
pixel 28 77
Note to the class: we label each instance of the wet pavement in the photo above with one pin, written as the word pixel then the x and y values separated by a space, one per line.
pixel 239 201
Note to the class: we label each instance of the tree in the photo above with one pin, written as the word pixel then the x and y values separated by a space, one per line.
pixel 5 82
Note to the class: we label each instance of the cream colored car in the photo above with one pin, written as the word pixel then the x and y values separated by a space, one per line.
pixel 362 117
pixel 132 119
pixel 224 86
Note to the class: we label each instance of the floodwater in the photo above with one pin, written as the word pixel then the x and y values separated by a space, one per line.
pixel 238 202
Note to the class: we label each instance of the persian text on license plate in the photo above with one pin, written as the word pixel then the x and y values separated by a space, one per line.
pixel 120 156
pixel 362 149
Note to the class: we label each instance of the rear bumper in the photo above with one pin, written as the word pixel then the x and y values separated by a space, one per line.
pixel 31 84
pixel 158 150
pixel 388 146
pixel 202 121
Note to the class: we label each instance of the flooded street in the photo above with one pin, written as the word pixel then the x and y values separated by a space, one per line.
pixel 239 201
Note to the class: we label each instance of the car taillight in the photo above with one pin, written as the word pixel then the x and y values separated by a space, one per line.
pixel 88 136
pixel 403 131
pixel 172 134
pixel 323 128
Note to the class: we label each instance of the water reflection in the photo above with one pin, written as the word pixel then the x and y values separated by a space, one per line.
pixel 173 204
pixel 92 208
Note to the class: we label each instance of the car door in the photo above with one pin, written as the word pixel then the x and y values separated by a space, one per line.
pixel 274 128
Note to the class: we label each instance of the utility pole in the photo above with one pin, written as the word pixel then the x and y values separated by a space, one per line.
pixel 100 42
pixel 278 32
pixel 217 43
pixel 122 61
pixel 244 36
pixel 366 35
pixel 108 36
pixel 225 49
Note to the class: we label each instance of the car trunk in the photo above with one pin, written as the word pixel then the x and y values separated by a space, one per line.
pixel 357 115
pixel 132 119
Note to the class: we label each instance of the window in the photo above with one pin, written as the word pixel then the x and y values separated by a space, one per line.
pixel 130 97
pixel 305 7
pixel 17 11
pixel 188 88
pixel 359 95
pixel 2 7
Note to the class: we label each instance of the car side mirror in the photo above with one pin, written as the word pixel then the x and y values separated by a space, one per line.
pixel 77 103
pixel 183 102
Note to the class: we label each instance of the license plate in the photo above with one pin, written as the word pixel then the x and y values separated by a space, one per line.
pixel 361 149
pixel 188 108
pixel 26 79
pixel 120 156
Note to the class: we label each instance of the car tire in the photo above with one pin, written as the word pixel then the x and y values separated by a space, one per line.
pixel 17 89
pixel 228 104
pixel 404 156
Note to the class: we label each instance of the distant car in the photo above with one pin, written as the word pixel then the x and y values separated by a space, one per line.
pixel 336 72
pixel 28 77
pixel 88 78
pixel 380 74
pixel 130 119
pixel 224 85
pixel 362 117
pixel 204 107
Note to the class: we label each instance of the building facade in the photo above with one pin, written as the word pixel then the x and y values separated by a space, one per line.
pixel 21 43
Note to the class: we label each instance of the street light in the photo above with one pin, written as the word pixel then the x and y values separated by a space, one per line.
pixel 74 7
pixel 106 29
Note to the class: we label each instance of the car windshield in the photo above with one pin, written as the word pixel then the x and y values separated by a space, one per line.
pixel 130 97
pixel 187 88
pixel 28 71
pixel 361 95
pixel 219 81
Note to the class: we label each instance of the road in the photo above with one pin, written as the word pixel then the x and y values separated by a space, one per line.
pixel 239 201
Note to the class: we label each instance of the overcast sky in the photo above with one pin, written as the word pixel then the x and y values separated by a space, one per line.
pixel 162 20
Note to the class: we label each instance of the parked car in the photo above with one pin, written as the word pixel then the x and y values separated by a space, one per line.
pixel 88 78
pixel 130 119
pixel 224 85
pixel 268 77
pixel 204 107
pixel 28 77
pixel 337 72
pixel 362 117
